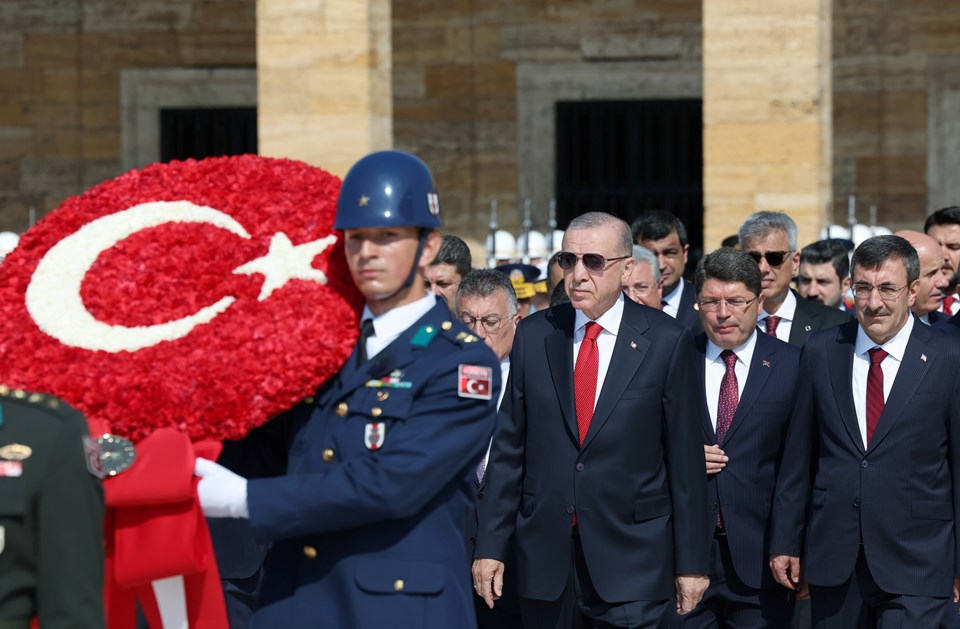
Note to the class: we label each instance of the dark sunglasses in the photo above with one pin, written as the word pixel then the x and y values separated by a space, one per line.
pixel 774 258
pixel 591 261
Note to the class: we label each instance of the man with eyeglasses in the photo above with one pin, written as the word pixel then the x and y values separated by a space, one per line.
pixel 665 235
pixel 644 285
pixel 770 238
pixel 487 304
pixel 745 390
pixel 866 507
pixel 596 470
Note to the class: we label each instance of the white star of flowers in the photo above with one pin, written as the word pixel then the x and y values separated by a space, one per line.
pixel 285 262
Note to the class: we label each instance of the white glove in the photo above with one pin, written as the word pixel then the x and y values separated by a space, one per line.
pixel 222 493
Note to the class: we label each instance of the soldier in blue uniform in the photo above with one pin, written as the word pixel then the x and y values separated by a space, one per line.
pixel 366 524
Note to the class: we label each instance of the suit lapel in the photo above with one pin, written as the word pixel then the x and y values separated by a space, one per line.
pixel 701 342
pixel 559 348
pixel 628 353
pixel 761 366
pixel 803 322
pixel 840 365
pixel 909 376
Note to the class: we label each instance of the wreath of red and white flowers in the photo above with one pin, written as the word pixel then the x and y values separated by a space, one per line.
pixel 206 296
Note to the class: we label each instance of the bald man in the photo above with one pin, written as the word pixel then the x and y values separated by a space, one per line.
pixel 932 280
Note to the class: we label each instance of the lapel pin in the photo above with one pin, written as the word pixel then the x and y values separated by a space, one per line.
pixel 807 328
pixel 633 345
pixel 923 357
pixel 766 363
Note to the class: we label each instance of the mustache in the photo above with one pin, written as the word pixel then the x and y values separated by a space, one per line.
pixel 875 312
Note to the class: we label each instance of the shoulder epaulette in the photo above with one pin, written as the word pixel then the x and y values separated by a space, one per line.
pixel 21 395
pixel 424 336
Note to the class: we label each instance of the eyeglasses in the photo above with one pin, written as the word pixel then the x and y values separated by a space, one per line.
pixel 491 323
pixel 887 292
pixel 591 261
pixel 774 258
pixel 736 304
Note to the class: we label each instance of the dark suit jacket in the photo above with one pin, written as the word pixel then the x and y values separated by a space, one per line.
pixel 949 326
pixel 687 314
pixel 637 484
pixel 936 317
pixel 900 496
pixel 754 444
pixel 812 316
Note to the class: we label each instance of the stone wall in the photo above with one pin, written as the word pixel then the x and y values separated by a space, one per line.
pixel 895 102
pixel 471 79
pixel 60 65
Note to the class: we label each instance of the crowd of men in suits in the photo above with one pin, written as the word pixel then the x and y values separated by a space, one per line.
pixel 700 462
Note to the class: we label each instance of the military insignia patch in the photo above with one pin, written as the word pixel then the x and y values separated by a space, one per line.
pixel 11 469
pixel 475 382
pixel 433 202
pixel 94 462
pixel 15 452
pixel 374 434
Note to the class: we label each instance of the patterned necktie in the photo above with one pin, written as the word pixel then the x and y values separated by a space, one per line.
pixel 366 331
pixel 874 390
pixel 772 322
pixel 729 396
pixel 948 302
pixel 481 470
pixel 585 378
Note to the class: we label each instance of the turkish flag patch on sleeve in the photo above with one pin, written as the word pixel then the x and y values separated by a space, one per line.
pixel 476 381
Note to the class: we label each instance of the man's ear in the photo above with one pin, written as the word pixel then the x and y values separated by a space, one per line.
pixel 431 246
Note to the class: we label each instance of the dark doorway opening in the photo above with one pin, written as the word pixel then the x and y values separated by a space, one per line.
pixel 626 157
pixel 207 132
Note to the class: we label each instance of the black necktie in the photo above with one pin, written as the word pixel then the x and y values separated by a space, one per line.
pixel 366 331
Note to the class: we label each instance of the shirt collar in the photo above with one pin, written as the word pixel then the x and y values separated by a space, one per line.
pixel 894 347
pixel 744 352
pixel 675 295
pixel 786 311
pixel 609 321
pixel 398 319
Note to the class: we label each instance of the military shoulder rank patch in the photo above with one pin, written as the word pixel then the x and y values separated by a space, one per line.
pixel 475 381
pixel 94 461
pixel 424 336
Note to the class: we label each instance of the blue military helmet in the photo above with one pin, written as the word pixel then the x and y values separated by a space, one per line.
pixel 388 189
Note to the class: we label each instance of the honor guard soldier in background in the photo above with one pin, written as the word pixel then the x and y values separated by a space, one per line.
pixel 366 523
pixel 51 515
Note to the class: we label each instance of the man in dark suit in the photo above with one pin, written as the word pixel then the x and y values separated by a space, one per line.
pixel 933 282
pixel 665 235
pixel 596 471
pixel 745 389
pixel 771 239
pixel 869 492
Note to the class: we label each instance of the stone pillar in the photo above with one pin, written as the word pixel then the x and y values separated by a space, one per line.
pixel 766 113
pixel 324 80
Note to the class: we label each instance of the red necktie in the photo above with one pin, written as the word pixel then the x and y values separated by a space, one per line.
pixel 874 390
pixel 727 403
pixel 585 378
pixel 772 322
pixel 948 302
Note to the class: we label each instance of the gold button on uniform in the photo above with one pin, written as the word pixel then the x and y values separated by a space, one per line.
pixel 446 325
pixel 327 455
pixel 309 552
pixel 398 585
pixel 382 395
pixel 308 400
pixel 376 411
pixel 342 409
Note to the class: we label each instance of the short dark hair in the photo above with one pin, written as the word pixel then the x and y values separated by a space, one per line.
pixel 945 216
pixel 485 282
pixel 873 252
pixel 829 250
pixel 657 225
pixel 727 264
pixel 456 253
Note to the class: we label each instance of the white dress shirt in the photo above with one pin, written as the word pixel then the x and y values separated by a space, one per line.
pixel 895 347
pixel 504 373
pixel 391 324
pixel 715 369
pixel 671 302
pixel 610 322
pixel 787 311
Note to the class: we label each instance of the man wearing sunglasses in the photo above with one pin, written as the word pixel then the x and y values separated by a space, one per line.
pixel 596 469
pixel 867 494
pixel 771 239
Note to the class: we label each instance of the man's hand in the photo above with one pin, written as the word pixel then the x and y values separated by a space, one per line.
pixel 716 459
pixel 690 589
pixel 488 579
pixel 222 493
pixel 786 570
pixel 956 589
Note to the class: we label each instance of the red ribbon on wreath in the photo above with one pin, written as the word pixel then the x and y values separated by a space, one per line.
pixel 177 306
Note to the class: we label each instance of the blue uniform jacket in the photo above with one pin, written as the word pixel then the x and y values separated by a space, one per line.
pixel 367 525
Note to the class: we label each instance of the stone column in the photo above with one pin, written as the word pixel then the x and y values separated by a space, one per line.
pixel 766 113
pixel 324 80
